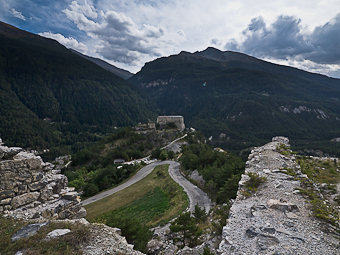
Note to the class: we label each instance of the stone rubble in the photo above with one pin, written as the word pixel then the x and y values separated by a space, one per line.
pixel 107 240
pixel 275 219
pixel 35 191
pixel 31 188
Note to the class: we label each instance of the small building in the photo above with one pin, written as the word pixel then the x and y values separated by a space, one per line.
pixel 177 120
pixel 119 161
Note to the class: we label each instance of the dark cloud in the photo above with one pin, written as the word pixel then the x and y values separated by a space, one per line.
pixel 325 40
pixel 285 39
pixel 118 37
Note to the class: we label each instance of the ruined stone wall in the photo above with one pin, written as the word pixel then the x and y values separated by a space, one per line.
pixel 30 188
pixel 276 219
pixel 177 120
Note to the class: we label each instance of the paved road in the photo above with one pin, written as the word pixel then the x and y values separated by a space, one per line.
pixel 196 195
pixel 142 173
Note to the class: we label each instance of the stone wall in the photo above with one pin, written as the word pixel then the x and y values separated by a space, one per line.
pixel 31 188
pixel 177 120
pixel 276 219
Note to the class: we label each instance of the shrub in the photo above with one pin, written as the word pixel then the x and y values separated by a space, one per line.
pixel 134 231
pixel 252 184
pixel 90 189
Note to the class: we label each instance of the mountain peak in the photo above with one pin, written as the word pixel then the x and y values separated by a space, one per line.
pixel 211 50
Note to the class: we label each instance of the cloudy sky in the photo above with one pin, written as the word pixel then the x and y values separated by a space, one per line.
pixel 128 33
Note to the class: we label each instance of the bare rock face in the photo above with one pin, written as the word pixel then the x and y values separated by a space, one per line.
pixel 29 188
pixel 274 219
pixel 107 240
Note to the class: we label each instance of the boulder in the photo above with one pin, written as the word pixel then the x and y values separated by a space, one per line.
pixel 70 196
pixel 57 232
pixel 24 199
pixel 27 231
pixel 282 206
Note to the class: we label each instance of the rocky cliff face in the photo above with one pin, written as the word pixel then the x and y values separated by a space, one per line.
pixel 31 188
pixel 274 218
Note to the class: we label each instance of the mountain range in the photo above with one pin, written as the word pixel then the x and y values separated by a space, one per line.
pixel 52 95
pixel 238 100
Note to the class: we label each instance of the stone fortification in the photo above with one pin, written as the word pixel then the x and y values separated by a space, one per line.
pixel 31 188
pixel 275 219
pixel 177 120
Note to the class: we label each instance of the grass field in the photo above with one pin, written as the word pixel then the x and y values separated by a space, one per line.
pixel 154 200
pixel 69 244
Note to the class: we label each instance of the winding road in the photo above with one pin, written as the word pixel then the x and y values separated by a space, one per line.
pixel 195 194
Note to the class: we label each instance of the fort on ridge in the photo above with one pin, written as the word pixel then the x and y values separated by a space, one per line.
pixel 177 120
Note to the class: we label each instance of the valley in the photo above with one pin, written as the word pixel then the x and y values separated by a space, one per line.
pixel 182 157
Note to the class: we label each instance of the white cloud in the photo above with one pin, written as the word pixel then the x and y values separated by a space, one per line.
pixel 308 65
pixel 68 42
pixel 118 37
pixel 136 31
pixel 17 14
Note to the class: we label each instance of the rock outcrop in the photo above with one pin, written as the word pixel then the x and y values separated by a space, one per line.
pixel 31 188
pixel 275 218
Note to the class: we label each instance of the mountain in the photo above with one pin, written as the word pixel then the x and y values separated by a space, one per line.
pixel 47 91
pixel 111 68
pixel 240 100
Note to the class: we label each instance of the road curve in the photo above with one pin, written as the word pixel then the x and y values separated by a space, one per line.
pixel 196 195
pixel 142 173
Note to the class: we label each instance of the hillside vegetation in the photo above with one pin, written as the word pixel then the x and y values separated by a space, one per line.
pixel 242 101
pixel 93 168
pixel 221 171
pixel 154 200
pixel 50 96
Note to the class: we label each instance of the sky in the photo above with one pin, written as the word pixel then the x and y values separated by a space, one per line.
pixel 128 33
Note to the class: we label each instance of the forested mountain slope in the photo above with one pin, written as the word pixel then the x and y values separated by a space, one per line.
pixel 241 100
pixel 47 90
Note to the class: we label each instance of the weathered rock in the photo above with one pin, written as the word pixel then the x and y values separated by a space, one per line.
pixel 282 206
pixel 36 185
pixel 22 189
pixel 197 178
pixel 251 232
pixel 188 251
pixel 9 153
pixel 276 219
pixel 27 231
pixel 154 246
pixel 70 196
pixel 106 240
pixel 46 193
pixel 6 194
pixel 6 201
pixel 24 199
pixel 265 241
pixel 57 233
pixel 80 214
pixel 23 176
